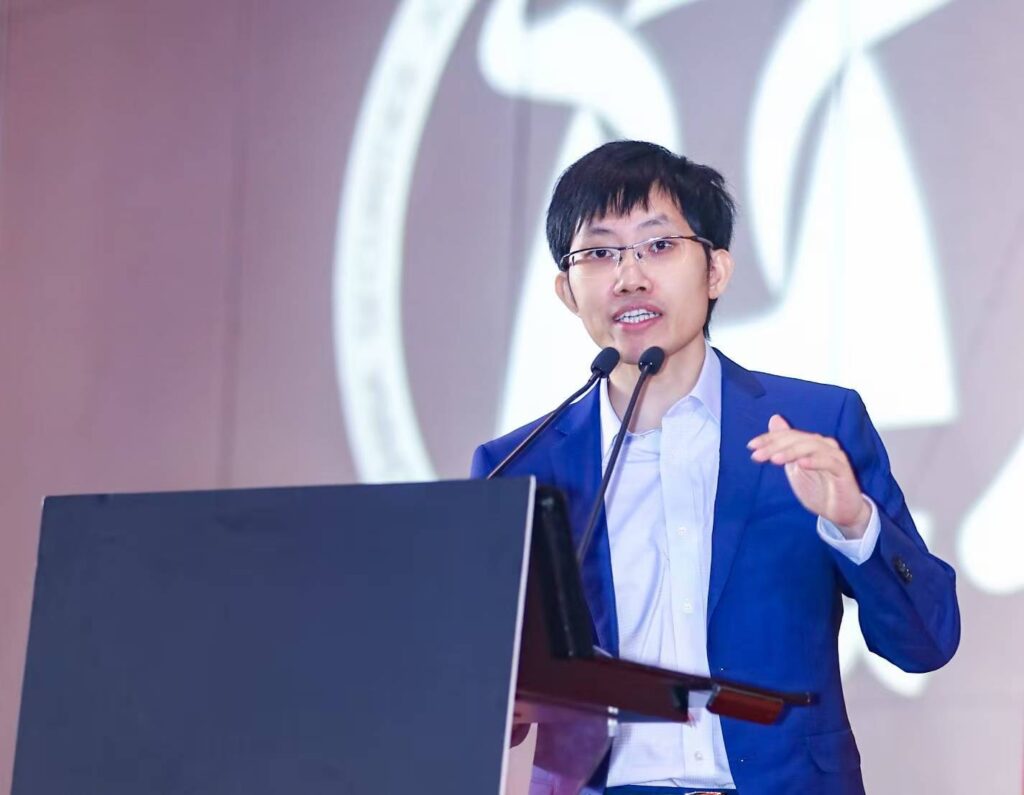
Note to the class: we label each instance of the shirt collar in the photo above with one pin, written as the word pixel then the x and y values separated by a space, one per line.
pixel 707 391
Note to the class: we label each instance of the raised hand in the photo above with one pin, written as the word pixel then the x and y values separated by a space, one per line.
pixel 818 472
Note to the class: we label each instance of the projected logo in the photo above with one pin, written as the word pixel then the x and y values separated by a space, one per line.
pixel 821 111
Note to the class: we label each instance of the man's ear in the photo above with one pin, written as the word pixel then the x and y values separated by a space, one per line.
pixel 564 292
pixel 720 271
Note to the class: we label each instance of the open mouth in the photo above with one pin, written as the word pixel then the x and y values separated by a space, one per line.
pixel 634 316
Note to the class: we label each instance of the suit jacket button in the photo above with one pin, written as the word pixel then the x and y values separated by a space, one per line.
pixel 902 569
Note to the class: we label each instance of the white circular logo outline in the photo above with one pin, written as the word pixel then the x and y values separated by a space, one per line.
pixel 383 431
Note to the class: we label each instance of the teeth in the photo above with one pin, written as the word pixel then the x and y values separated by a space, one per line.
pixel 636 316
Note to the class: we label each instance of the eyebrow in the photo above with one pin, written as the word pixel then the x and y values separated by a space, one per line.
pixel 658 220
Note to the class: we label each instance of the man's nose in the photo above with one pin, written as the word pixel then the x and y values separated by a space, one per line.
pixel 630 275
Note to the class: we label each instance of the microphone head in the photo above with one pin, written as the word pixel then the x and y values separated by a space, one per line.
pixel 651 360
pixel 605 362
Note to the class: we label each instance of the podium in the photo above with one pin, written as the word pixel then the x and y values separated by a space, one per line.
pixel 330 639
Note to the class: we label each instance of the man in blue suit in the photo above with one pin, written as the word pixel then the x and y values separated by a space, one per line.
pixel 743 505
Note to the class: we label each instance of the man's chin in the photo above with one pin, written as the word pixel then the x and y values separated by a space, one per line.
pixel 631 358
pixel 631 351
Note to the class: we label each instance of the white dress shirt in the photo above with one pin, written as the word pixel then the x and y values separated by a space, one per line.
pixel 660 508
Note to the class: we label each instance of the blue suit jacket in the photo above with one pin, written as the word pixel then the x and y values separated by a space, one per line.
pixel 774 601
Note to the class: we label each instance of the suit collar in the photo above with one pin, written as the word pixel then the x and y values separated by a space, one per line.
pixel 736 377
pixel 707 391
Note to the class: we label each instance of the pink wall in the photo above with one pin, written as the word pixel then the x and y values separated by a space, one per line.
pixel 167 225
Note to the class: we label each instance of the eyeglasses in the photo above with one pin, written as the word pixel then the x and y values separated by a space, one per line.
pixel 656 250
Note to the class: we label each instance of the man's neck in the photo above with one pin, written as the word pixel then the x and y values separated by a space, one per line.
pixel 674 381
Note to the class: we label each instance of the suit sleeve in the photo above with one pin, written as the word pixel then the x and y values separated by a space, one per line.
pixel 906 596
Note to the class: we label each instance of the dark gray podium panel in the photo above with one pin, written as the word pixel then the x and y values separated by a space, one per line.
pixel 353 639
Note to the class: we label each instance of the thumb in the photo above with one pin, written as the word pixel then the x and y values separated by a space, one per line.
pixel 777 423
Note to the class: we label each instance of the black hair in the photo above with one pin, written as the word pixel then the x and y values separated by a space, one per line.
pixel 618 177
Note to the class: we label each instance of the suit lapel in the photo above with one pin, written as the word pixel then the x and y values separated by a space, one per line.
pixel 738 476
pixel 576 462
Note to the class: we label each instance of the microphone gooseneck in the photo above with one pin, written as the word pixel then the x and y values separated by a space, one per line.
pixel 601 367
pixel 650 363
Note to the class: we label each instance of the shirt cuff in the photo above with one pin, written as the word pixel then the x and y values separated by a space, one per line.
pixel 856 549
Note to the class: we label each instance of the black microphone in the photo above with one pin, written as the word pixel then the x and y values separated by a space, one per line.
pixel 650 362
pixel 601 367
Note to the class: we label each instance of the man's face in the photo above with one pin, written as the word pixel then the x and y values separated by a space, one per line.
pixel 648 302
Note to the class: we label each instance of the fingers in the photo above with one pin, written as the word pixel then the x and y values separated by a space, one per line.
pixel 776 425
pixel 767 445
pixel 782 436
pixel 808 451
pixel 776 440
pixel 823 462
pixel 789 449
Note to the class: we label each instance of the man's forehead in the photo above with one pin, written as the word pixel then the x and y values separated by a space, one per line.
pixel 659 212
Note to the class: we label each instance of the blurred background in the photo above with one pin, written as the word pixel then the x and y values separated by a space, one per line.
pixel 259 242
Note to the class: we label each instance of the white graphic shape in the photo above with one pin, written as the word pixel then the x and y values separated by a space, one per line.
pixel 640 11
pixel 991 545
pixel 862 304
pixel 579 57
pixel 592 62
pixel 815 44
pixel 853 649
pixel 383 433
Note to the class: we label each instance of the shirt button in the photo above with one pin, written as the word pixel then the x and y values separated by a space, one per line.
pixel 698 756
pixel 687 606
pixel 681 530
